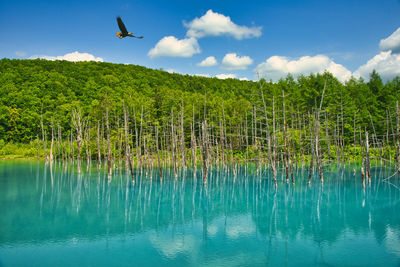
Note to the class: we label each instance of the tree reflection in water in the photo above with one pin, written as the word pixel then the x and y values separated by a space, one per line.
pixel 242 220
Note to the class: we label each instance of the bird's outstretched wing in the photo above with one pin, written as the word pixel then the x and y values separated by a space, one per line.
pixel 139 37
pixel 121 26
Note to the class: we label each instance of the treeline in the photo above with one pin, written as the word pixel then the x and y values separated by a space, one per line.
pixel 109 111
pixel 35 90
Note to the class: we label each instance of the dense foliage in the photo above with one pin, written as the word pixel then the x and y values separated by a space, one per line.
pixel 35 89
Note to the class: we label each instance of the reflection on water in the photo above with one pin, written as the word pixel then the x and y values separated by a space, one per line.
pixel 58 216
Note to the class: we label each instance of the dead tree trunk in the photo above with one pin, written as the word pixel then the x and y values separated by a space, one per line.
pixel 225 137
pixel 98 144
pixel 398 136
pixel 290 159
pixel 182 140
pixel 87 142
pixel 317 149
pixel 367 160
pixel 137 138
pixel 274 141
pixel 77 123
pixel 38 147
pixel 205 152
pixel 61 152
pixel 104 142
pixel 52 141
pixel 328 143
pixel 71 147
pixel 43 139
pixel 108 146
pixel 255 140
pixel 173 142
pixel 317 144
pixel 222 141
pixel 193 144
pixel 246 130
pixel 286 156
pixel 354 142
pixel 363 163
pixel 158 153
pixel 119 142
pixel 140 140
pixel 127 146
pixel 363 176
pixel 233 165
pixel 312 152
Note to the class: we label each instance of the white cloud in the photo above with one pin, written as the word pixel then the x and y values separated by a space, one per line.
pixel 74 56
pixel 221 76
pixel 202 75
pixel 386 64
pixel 215 24
pixel 171 70
pixel 232 61
pixel 392 43
pixel 277 67
pixel 170 46
pixel 226 76
pixel 208 62
pixel 20 53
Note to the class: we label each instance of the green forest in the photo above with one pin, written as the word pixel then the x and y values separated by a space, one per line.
pixel 36 93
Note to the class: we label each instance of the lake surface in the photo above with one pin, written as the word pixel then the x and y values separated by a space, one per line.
pixel 57 217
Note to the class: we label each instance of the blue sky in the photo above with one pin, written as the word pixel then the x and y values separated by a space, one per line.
pixel 242 39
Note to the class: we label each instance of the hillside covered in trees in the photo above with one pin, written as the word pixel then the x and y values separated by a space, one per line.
pixel 33 92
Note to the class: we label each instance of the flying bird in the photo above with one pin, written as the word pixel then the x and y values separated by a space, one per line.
pixel 124 32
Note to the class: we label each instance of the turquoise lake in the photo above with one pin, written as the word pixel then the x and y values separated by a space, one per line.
pixel 58 217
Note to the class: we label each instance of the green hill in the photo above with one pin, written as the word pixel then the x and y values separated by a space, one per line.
pixel 31 90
